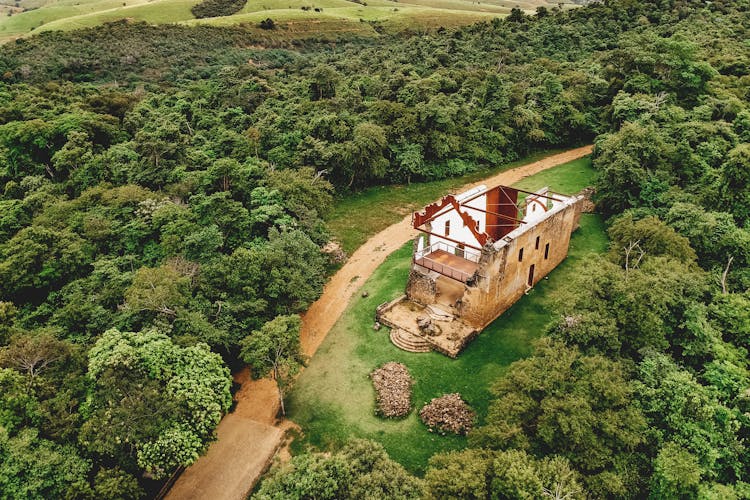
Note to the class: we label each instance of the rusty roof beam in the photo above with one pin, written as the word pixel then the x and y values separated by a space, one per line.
pixel 506 217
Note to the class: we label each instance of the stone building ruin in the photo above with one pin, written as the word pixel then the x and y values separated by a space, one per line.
pixel 477 254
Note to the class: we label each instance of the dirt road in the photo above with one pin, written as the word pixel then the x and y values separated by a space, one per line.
pixel 243 449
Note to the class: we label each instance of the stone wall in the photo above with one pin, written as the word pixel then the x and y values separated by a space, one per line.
pixel 421 287
pixel 502 277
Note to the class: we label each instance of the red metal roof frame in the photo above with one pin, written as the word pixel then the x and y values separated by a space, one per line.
pixel 433 210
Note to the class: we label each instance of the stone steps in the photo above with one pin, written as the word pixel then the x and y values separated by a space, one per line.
pixel 408 341
pixel 438 314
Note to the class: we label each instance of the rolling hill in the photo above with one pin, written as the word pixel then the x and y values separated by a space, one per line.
pixel 23 17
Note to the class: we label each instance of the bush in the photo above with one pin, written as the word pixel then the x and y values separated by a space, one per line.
pixel 267 24
pixel 217 8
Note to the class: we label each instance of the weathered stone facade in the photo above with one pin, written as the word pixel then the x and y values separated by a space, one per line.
pixel 502 277
pixel 507 268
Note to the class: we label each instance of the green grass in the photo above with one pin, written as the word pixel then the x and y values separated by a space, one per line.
pixel 336 16
pixel 333 400
pixel 357 217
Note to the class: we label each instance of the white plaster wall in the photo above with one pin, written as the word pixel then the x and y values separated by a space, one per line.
pixel 458 231
pixel 556 206
pixel 536 206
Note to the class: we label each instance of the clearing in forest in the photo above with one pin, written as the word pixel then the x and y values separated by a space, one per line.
pixel 334 400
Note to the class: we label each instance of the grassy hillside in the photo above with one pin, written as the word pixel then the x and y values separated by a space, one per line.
pixel 32 16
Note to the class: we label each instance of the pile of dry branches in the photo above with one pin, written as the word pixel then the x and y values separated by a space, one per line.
pixel 448 413
pixel 393 387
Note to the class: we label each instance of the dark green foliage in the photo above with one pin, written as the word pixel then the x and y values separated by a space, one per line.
pixel 153 402
pixel 576 406
pixel 683 412
pixel 36 468
pixel 173 180
pixel 267 24
pixel 217 8
pixel 362 469
pixel 500 474
pixel 275 350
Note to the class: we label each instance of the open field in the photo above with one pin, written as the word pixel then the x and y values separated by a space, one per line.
pixel 34 16
pixel 334 399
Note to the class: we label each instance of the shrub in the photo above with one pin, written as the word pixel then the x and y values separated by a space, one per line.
pixel 267 24
pixel 217 8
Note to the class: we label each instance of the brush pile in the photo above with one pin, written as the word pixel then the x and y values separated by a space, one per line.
pixel 393 387
pixel 448 414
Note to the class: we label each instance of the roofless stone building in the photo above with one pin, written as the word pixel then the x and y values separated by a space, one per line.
pixel 477 254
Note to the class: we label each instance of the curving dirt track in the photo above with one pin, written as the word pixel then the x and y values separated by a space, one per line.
pixel 323 314
pixel 247 438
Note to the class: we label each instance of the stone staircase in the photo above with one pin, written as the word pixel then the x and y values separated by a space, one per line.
pixel 438 314
pixel 408 341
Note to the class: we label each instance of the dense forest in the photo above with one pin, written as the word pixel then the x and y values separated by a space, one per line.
pixel 162 206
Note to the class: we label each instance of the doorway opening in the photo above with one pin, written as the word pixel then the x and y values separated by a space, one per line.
pixel 531 276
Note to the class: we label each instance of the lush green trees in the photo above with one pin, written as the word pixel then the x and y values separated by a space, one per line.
pixel 362 469
pixel 33 467
pixel 176 178
pixel 500 474
pixel 153 402
pixel 733 183
pixel 275 350
pixel 562 402
pixel 616 310
pixel 685 414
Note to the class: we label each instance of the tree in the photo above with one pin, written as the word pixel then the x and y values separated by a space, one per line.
pixel 38 257
pixel 477 473
pixel 614 311
pixel 302 188
pixel 32 353
pixel 632 161
pixel 275 349
pixel 576 406
pixel 734 182
pixel 323 82
pixel 160 289
pixel 410 159
pixel 682 411
pixel 36 468
pixel 154 403
pixel 653 237
pixel 361 158
pixel 76 152
pixel 360 470
pixel 516 15
pixel 676 473
pixel 287 271
pixel 115 483
pixel 18 405
pixel 8 313
pixel 460 474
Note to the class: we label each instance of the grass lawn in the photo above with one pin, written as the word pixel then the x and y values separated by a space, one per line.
pixel 395 201
pixel 334 16
pixel 334 401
